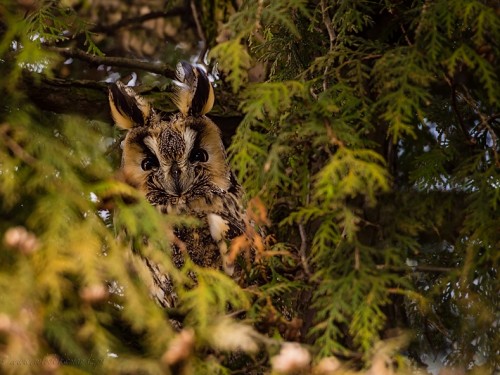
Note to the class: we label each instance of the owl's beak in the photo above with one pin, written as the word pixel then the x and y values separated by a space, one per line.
pixel 175 173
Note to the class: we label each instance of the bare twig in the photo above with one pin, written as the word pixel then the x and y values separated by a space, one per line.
pixel 331 34
pixel 303 248
pixel 303 236
pixel 236 314
pixel 423 17
pixel 405 35
pixel 199 29
pixel 421 268
pixel 258 16
pixel 63 82
pixel 15 147
pixel 174 12
pixel 328 24
pixel 122 62
pixel 357 259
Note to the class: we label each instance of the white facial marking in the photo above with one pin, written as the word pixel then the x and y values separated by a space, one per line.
pixel 189 136
pixel 152 144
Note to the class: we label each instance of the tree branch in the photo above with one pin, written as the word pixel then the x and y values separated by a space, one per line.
pixel 420 268
pixel 89 99
pixel 107 29
pixel 122 62
pixel 15 147
pixel 331 34
pixel 303 248
pixel 199 29
pixel 85 98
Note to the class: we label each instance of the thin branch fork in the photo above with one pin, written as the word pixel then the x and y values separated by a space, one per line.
pixel 122 62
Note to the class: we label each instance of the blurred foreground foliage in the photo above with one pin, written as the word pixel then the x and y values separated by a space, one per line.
pixel 368 147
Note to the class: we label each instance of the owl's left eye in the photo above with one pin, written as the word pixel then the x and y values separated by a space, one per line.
pixel 198 155
pixel 148 163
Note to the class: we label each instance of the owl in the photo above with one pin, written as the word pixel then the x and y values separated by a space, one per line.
pixel 179 163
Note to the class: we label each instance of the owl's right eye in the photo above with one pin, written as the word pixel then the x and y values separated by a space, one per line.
pixel 149 163
pixel 198 155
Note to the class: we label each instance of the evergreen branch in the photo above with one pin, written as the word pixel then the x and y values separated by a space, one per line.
pixel 122 62
pixel 107 29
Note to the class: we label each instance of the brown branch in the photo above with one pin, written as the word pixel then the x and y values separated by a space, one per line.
pixel 328 24
pixel 421 268
pixel 331 34
pixel 82 97
pixel 405 35
pixel 15 147
pixel 107 29
pixel 122 62
pixel 303 248
pixel 199 29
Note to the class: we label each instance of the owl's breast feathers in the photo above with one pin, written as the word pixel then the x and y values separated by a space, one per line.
pixel 222 219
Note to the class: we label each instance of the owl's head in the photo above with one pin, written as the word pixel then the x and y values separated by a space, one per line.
pixel 174 159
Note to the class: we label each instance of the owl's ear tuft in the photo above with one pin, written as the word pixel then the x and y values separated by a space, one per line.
pixel 127 108
pixel 194 94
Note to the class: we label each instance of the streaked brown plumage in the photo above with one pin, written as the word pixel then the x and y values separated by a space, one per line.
pixel 179 163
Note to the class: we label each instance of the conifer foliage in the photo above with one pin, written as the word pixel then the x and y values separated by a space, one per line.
pixel 365 136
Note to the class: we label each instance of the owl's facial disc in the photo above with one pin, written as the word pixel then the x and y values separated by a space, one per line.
pixel 175 161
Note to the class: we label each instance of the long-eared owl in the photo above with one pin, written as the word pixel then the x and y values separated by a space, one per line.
pixel 179 162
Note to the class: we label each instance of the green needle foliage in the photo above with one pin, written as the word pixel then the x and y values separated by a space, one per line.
pixel 369 154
